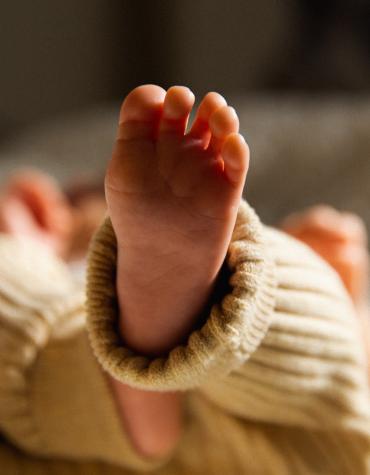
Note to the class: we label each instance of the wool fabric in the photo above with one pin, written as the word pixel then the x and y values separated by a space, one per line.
pixel 274 377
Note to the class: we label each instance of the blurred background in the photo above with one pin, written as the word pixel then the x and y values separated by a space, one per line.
pixel 297 71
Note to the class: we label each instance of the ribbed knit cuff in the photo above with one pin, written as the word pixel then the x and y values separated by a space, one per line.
pixel 234 329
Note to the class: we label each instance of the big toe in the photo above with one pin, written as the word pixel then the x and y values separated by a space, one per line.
pixel 140 112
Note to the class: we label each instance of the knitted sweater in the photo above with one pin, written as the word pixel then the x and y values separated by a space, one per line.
pixel 274 377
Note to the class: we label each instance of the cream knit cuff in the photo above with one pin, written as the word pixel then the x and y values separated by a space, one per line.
pixel 232 332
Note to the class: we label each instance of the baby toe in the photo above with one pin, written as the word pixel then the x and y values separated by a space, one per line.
pixel 140 113
pixel 235 154
pixel 223 122
pixel 178 103
pixel 200 129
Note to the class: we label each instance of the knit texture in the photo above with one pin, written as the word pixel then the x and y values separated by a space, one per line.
pixel 55 400
pixel 232 332
pixel 275 378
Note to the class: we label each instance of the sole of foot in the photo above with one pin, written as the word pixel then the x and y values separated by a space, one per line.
pixel 168 189
pixel 173 194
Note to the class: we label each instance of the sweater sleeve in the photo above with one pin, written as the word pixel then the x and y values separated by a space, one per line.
pixel 310 368
pixel 281 346
pixel 233 330
pixel 55 401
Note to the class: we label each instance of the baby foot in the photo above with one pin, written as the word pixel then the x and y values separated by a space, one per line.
pixel 33 206
pixel 340 238
pixel 173 198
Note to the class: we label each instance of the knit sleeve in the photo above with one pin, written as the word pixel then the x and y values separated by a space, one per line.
pixel 280 346
pixel 235 326
pixel 55 401
pixel 310 368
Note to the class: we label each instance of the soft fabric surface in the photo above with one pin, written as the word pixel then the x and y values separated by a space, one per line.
pixel 275 375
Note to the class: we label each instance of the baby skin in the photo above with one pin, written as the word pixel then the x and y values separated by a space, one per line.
pixel 173 197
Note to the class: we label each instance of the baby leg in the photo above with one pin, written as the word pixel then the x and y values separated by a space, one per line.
pixel 173 198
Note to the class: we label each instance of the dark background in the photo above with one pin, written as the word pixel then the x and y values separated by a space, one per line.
pixel 297 71
pixel 57 57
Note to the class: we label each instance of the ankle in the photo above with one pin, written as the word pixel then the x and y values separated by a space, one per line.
pixel 159 306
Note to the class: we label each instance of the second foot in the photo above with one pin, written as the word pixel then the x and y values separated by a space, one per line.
pixel 340 238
